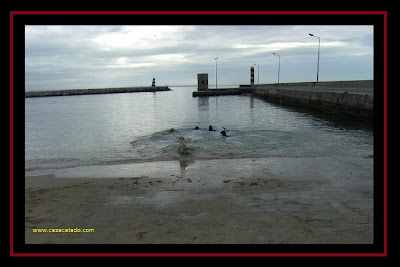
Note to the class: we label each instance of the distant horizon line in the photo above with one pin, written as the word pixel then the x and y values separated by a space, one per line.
pixel 187 85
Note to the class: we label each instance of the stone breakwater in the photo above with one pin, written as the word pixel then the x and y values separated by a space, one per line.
pixel 96 91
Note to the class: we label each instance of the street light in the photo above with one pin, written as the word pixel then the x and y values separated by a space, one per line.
pixel 319 43
pixel 279 66
pixel 216 73
pixel 258 73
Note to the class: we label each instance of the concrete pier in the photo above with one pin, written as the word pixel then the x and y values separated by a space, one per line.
pixel 354 87
pixel 351 99
pixel 222 91
pixel 96 91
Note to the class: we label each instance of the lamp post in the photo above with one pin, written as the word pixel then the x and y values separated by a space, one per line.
pixel 279 66
pixel 258 73
pixel 319 43
pixel 216 73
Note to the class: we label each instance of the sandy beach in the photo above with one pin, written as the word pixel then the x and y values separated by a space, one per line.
pixel 312 200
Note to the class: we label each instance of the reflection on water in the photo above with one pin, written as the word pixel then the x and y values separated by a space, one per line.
pixel 184 163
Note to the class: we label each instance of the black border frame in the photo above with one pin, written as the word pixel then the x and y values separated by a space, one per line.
pixel 18 20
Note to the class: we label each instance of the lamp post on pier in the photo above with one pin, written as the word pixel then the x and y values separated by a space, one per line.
pixel 279 66
pixel 216 73
pixel 319 44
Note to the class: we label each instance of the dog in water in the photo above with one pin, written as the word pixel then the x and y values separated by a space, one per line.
pixel 170 131
pixel 183 148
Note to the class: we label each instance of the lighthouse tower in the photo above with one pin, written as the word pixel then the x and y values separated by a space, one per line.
pixel 252 76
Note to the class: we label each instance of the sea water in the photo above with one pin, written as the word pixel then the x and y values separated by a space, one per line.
pixel 112 129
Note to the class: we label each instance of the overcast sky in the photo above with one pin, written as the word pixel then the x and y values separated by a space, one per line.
pixel 71 57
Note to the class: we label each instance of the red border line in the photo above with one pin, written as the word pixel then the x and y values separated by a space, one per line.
pixel 385 133
pixel 11 135
pixel 13 254
pixel 199 12
pixel 202 255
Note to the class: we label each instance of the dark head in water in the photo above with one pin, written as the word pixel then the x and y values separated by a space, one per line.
pixel 224 133
pixel 210 128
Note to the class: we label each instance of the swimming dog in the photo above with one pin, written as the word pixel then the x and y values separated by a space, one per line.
pixel 183 149
pixel 170 131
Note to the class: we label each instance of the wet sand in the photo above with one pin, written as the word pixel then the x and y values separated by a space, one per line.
pixel 315 200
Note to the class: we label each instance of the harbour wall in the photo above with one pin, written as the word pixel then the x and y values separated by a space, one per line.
pixel 97 91
pixel 351 99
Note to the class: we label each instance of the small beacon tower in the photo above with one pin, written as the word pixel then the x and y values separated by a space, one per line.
pixel 252 76
pixel 153 84
pixel 202 81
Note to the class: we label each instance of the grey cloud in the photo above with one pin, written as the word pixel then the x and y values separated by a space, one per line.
pixel 76 56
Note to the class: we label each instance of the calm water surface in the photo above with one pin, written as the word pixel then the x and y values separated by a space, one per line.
pixel 71 131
